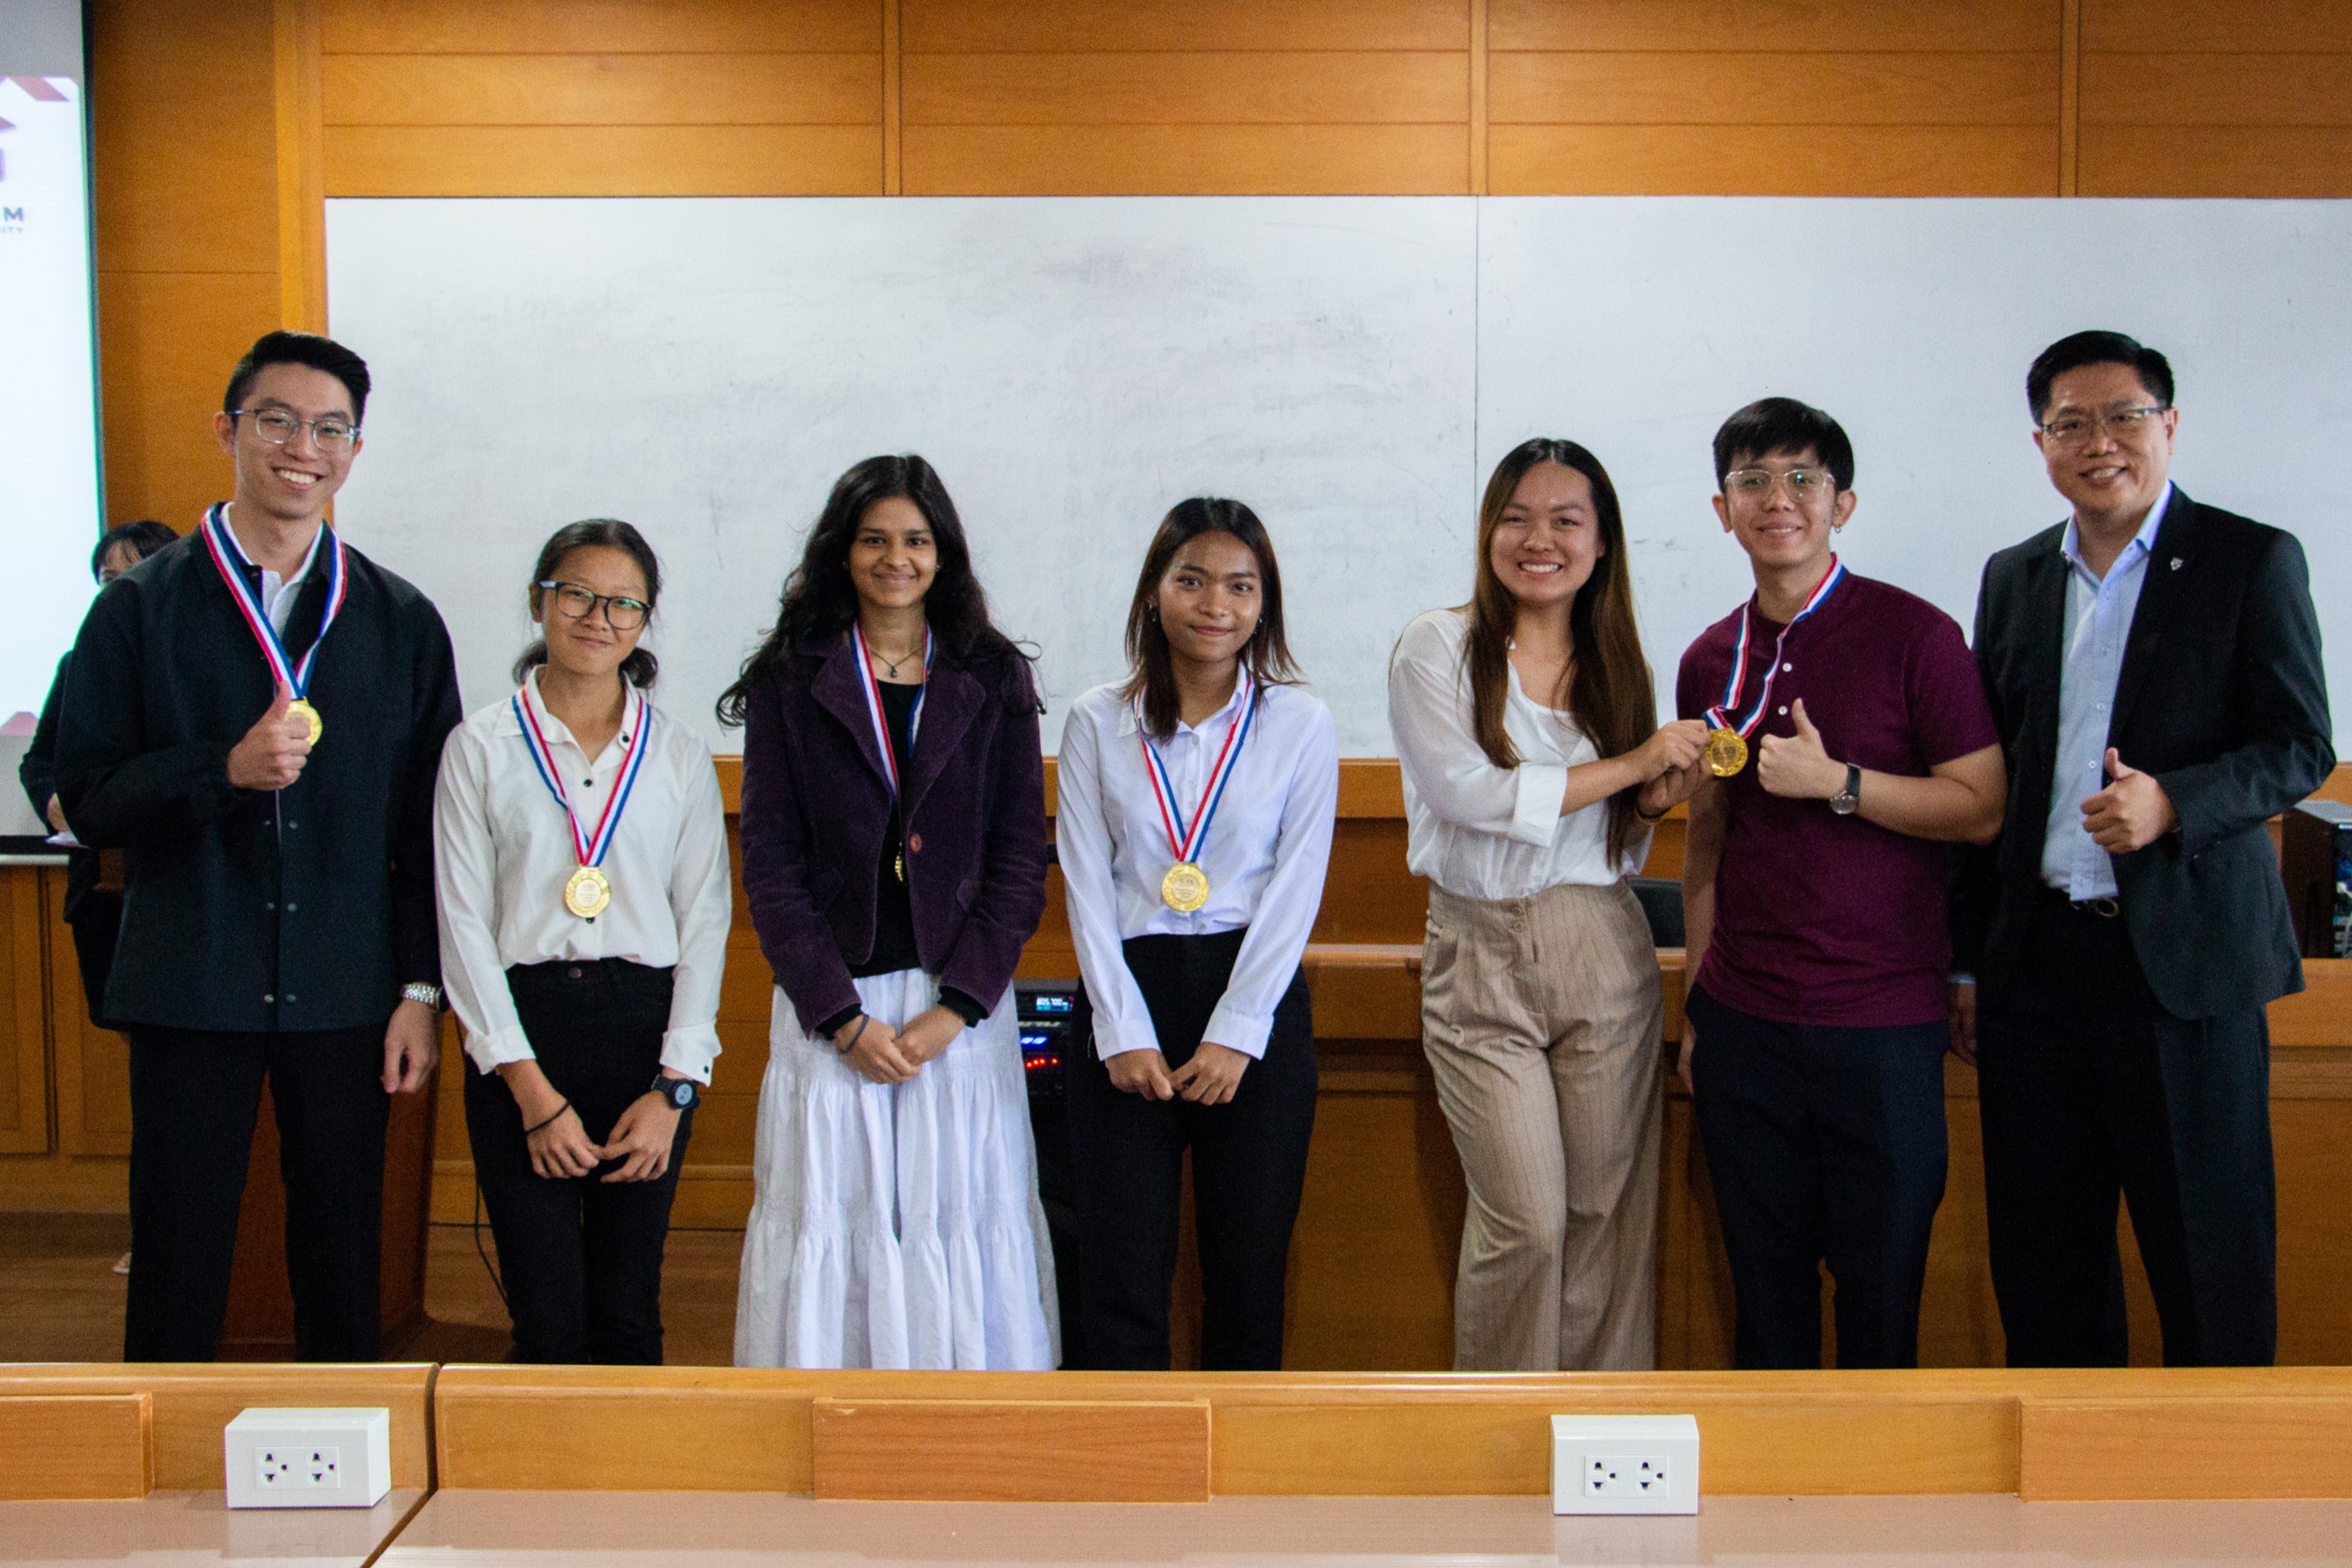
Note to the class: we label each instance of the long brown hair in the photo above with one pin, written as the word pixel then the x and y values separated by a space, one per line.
pixel 1267 654
pixel 1608 691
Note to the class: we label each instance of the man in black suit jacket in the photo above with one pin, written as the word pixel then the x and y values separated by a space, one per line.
pixel 2154 668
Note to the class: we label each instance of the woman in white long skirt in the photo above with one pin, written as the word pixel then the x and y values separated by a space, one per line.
pixel 894 858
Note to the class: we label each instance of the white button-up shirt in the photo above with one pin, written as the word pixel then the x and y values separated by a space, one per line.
pixel 1265 853
pixel 1476 830
pixel 277 593
pixel 503 852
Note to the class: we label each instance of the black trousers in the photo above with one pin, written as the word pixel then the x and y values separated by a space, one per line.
pixel 194 1097
pixel 1249 1166
pixel 581 1259
pixel 1825 1144
pixel 2089 1090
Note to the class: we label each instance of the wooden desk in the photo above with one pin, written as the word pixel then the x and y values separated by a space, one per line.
pixel 656 1530
pixel 198 1530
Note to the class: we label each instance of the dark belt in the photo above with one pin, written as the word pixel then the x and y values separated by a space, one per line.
pixel 2103 908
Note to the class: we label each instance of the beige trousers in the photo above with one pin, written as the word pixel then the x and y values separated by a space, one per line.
pixel 1541 1018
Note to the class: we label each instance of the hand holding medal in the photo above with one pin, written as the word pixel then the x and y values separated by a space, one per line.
pixel 274 751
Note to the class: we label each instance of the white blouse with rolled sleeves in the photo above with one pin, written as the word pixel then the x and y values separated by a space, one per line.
pixel 1264 855
pixel 502 852
pixel 1476 830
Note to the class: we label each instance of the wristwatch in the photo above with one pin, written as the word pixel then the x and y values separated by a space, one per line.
pixel 1847 800
pixel 418 991
pixel 680 1092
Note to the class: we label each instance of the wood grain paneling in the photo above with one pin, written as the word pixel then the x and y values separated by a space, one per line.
pixel 1830 89
pixel 986 26
pixel 603 161
pixel 606 90
pixel 2217 160
pixel 2281 1444
pixel 92 1065
pixel 2216 90
pixel 972 1450
pixel 1772 27
pixel 166 343
pixel 74 1445
pixel 24 1023
pixel 1188 89
pixel 601 27
pixel 1774 160
pixel 2218 27
pixel 1192 160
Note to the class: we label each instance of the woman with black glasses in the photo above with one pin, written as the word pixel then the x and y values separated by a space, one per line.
pixel 584 897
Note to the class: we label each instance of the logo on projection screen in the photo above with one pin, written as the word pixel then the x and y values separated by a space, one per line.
pixel 40 89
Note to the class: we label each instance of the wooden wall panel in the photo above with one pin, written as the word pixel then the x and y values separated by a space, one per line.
pixel 23 1027
pixel 604 89
pixel 603 161
pixel 1772 27
pixel 91 1065
pixel 1004 26
pixel 1772 160
pixel 599 27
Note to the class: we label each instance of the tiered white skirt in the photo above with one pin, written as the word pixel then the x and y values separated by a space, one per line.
pixel 897 1225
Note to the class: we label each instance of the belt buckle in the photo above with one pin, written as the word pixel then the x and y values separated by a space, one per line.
pixel 2104 906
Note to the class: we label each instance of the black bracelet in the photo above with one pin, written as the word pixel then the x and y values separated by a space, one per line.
pixel 550 1120
pixel 862 1021
pixel 1646 816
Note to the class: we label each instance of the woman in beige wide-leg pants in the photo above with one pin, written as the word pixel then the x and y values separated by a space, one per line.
pixel 1526 726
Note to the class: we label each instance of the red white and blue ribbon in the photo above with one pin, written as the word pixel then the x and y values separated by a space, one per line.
pixel 230 559
pixel 873 690
pixel 1721 717
pixel 1186 847
pixel 591 846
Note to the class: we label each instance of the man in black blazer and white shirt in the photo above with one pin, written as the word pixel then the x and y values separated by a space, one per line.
pixel 2154 668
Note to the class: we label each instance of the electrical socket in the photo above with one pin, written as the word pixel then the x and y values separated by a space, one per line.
pixel 1624 1464
pixel 308 1457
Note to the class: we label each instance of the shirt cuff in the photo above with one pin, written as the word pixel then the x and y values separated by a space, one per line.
pixel 836 1023
pixel 1109 1043
pixel 1534 816
pixel 490 1052
pixel 692 1052
pixel 1961 977
pixel 1245 1032
pixel 963 1005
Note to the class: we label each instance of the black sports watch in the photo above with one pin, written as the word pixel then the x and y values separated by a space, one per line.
pixel 680 1092
pixel 1849 799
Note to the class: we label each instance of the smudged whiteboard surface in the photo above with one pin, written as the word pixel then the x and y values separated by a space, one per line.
pixel 1350 366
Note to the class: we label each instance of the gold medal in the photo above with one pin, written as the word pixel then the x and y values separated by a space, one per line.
pixel 1185 887
pixel 300 709
pixel 1726 752
pixel 588 892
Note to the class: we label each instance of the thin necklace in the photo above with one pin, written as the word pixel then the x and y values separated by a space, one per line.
pixel 893 664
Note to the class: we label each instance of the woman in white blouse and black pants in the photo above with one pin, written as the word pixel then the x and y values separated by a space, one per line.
pixel 1525 728
pixel 1197 799
pixel 582 868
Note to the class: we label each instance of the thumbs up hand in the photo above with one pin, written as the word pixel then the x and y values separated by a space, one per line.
pixel 1798 766
pixel 2132 813
pixel 272 754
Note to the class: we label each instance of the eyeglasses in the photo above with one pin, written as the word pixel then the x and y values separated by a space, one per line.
pixel 2078 429
pixel 578 603
pixel 1756 484
pixel 329 433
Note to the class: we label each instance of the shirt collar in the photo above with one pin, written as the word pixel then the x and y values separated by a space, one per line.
pixel 559 733
pixel 2144 541
pixel 1129 724
pixel 246 555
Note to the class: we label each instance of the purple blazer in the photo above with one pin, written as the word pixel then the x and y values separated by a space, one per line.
pixel 816 806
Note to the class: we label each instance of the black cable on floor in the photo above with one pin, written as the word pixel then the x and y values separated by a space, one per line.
pixel 495 1283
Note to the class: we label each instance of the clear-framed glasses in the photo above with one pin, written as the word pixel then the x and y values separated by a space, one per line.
pixel 577 604
pixel 1756 484
pixel 2079 428
pixel 328 433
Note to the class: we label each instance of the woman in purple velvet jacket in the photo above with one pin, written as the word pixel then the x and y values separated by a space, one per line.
pixel 894 857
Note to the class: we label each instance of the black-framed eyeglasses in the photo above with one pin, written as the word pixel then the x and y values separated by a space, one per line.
pixel 2076 427
pixel 329 432
pixel 1756 484
pixel 577 604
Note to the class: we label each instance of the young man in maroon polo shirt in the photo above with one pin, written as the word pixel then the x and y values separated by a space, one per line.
pixel 1850 742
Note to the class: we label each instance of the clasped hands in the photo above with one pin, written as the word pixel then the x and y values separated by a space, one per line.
pixel 559 1143
pixel 1210 1076
pixel 886 1055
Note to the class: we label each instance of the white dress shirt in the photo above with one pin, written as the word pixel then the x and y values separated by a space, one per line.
pixel 1265 853
pixel 503 852
pixel 1476 830
pixel 277 593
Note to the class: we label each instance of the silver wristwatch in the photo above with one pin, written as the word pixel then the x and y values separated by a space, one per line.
pixel 417 991
pixel 1847 800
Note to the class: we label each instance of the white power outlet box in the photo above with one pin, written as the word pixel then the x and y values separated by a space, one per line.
pixel 308 1457
pixel 1624 1464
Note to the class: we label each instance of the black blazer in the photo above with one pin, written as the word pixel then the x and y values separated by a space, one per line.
pixel 38 773
pixel 2222 697
pixel 307 907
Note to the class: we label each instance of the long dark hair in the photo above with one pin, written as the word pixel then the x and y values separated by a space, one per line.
pixel 1268 653
pixel 1608 691
pixel 819 601
pixel 640 667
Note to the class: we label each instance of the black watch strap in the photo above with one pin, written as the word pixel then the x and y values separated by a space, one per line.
pixel 682 1093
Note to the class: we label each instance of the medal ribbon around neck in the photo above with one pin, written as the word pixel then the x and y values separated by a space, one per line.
pixel 1719 717
pixel 1186 847
pixel 589 886
pixel 228 557
pixel 872 686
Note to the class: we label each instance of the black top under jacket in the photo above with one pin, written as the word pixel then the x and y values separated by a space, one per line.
pixel 307 907
pixel 38 773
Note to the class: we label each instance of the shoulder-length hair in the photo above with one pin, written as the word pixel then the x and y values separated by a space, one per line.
pixel 819 601
pixel 1609 691
pixel 640 667
pixel 1267 655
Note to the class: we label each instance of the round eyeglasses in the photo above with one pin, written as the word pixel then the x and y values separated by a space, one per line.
pixel 577 604
pixel 328 433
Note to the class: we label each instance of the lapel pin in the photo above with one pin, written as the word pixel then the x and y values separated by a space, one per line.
pixel 2176 563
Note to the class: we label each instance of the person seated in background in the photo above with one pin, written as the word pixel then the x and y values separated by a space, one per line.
pixel 1849 742
pixel 1526 732
pixel 1198 796
pixel 93 909
pixel 255 715
pixel 579 855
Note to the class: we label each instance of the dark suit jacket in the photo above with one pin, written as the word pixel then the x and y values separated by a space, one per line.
pixel 302 908
pixel 817 804
pixel 2222 697
pixel 38 773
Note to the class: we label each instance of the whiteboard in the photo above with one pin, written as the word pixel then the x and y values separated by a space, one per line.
pixel 1350 366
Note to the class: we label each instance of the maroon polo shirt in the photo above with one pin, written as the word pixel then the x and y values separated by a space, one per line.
pixel 1822 919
